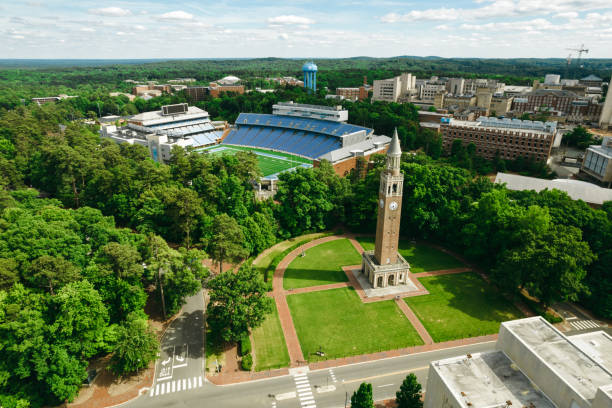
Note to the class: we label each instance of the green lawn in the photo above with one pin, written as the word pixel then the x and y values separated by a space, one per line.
pixel 269 344
pixel 422 258
pixel 263 262
pixel 461 305
pixel 268 165
pixel 322 265
pixel 342 325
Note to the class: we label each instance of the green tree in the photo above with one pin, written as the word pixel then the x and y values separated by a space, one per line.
pixel 409 394
pixel 362 398
pixel 136 347
pixel 305 202
pixel 227 241
pixel 238 303
pixel 51 273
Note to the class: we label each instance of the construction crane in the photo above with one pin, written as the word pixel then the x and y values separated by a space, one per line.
pixel 580 50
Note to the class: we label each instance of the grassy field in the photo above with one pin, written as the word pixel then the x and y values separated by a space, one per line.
pixel 422 258
pixel 269 344
pixel 341 324
pixel 461 305
pixel 322 265
pixel 263 262
pixel 268 165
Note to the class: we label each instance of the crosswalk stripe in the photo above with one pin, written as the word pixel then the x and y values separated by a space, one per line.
pixel 152 392
pixel 302 386
pixel 184 384
pixel 302 381
pixel 163 388
pixel 157 389
pixel 178 385
pixel 173 386
pixel 199 381
pixel 189 383
pixel 195 382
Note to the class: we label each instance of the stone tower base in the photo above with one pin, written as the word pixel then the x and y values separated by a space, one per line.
pixel 381 276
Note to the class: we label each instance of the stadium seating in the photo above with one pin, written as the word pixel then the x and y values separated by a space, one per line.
pixel 306 137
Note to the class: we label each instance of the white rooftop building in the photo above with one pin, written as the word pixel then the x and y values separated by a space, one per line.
pixel 302 110
pixel 578 190
pixel 534 366
pixel 179 125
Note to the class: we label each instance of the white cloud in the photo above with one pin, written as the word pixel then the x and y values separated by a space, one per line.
pixel 88 29
pixel 176 15
pixel 283 36
pixel 111 12
pixel 442 27
pixel 17 37
pixel 499 8
pixel 568 15
pixel 291 19
pixel 139 27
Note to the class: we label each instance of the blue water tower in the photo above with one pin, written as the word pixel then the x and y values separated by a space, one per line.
pixel 310 76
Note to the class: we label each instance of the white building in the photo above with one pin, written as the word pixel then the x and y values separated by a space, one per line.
pixel 552 79
pixel 597 162
pixel 302 110
pixel 394 89
pixel 428 91
pixel 174 125
pixel 605 120
pixel 535 365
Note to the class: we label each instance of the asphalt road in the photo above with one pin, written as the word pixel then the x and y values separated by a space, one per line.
pixel 321 388
pixel 181 359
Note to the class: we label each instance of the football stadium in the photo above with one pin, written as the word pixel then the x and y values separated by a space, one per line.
pixel 270 162
pixel 297 135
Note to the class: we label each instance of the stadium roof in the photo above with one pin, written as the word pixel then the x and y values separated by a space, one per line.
pixel 156 117
pixel 367 146
pixel 338 129
pixel 577 190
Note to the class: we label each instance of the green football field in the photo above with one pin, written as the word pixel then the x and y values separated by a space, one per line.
pixel 270 162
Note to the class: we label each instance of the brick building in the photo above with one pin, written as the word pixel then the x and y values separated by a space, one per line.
pixel 353 94
pixel 555 99
pixel 512 138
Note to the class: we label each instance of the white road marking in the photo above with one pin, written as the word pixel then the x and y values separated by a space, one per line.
pixel 303 386
pixel 584 325
pixel 284 396
pixel 385 385
pixel 173 386
pixel 302 382
pixel 178 385
pixel 326 388
pixel 189 383
pixel 163 388
pixel 184 384
pixel 152 392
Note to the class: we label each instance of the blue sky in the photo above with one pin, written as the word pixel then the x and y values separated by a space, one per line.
pixel 332 28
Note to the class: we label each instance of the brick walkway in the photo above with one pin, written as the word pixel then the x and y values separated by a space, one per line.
pixel 414 320
pixel 101 398
pixel 441 272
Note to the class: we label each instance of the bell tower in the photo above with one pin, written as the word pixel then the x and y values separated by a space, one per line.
pixel 384 266
pixel 389 206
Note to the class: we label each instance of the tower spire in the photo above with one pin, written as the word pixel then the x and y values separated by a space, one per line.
pixel 394 146
pixel 394 155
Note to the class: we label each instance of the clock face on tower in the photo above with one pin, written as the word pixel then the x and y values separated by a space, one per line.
pixel 393 206
pixel 382 203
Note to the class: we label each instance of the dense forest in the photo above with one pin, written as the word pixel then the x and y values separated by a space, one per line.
pixel 88 226
pixel 23 80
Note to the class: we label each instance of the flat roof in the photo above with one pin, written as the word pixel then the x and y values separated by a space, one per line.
pixel 575 367
pixel 489 379
pixel 598 345
pixel 156 117
pixel 576 189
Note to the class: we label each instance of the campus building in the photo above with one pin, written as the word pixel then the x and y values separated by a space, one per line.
pixel 605 118
pixel 51 99
pixel 399 88
pixel 353 94
pixel 511 138
pixel 597 163
pixel 534 366
pixel 173 125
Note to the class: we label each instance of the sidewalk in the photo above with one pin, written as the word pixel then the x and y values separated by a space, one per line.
pixel 106 391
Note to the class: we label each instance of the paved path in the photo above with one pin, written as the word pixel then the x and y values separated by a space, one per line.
pixel 296 356
pixel 414 320
pixel 441 272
